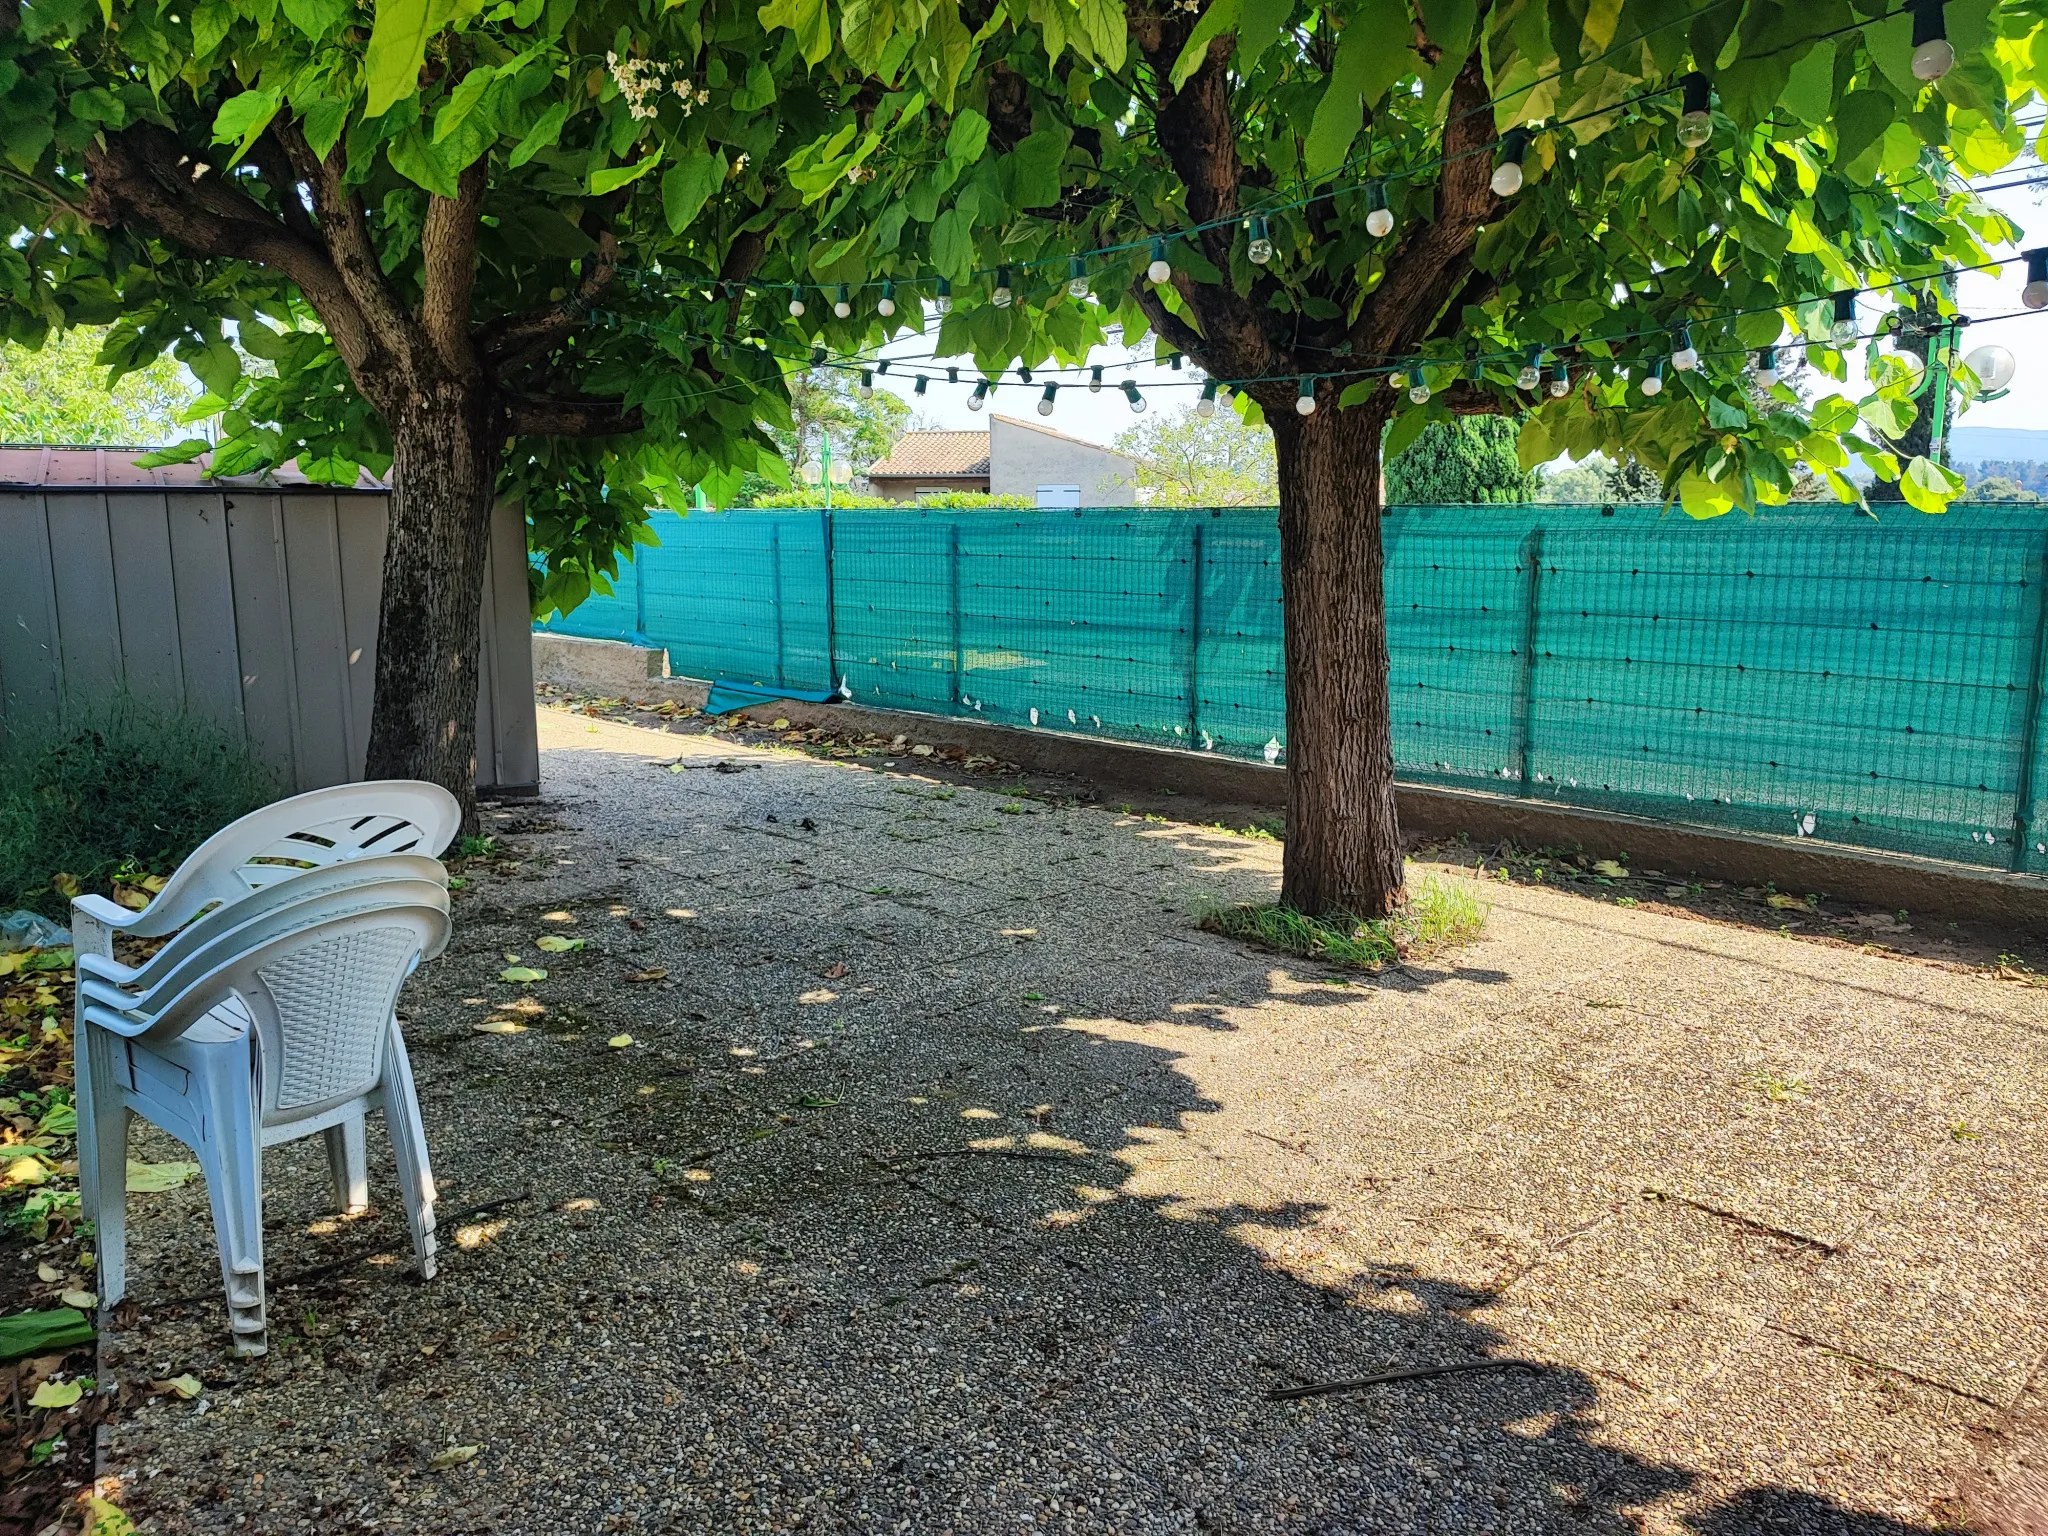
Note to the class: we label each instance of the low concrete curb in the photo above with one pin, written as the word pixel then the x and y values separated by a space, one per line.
pixel 1892 882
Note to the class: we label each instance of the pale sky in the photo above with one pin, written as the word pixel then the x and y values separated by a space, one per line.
pixel 1100 417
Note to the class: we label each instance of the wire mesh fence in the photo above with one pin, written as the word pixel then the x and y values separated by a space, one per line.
pixel 1809 672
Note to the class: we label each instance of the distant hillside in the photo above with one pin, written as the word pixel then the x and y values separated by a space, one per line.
pixel 1967 445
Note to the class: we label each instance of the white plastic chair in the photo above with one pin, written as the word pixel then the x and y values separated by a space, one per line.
pixel 277 1029
pixel 337 825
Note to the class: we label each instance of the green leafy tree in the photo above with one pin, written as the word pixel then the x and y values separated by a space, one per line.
pixel 424 216
pixel 57 393
pixel 1470 459
pixel 823 400
pixel 1827 165
pixel 1186 459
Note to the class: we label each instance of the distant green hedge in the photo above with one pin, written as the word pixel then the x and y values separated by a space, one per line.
pixel 956 500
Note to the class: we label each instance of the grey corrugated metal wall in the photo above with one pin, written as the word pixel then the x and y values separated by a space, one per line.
pixel 253 607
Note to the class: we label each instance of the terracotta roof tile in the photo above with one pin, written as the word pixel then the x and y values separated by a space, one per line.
pixel 935 454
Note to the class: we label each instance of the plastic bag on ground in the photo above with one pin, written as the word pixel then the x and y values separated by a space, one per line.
pixel 22 929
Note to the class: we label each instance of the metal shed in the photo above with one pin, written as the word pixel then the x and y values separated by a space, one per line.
pixel 252 601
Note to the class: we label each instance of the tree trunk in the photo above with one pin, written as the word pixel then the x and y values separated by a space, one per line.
pixel 1916 321
pixel 1343 849
pixel 445 450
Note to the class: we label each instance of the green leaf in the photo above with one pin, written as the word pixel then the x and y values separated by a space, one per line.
pixel 968 136
pixel 1859 120
pixel 217 365
pixel 316 18
pixel 617 176
pixel 1034 168
pixel 155 1178
pixel 421 161
pixel 47 1332
pixel 1258 28
pixel 542 135
pixel 757 92
pixel 1104 30
pixel 807 19
pixel 323 121
pixel 1833 413
pixel 242 118
pixel 177 453
pixel 1929 486
pixel 1372 54
pixel 687 185
pixel 523 973
pixel 953 245
pixel 1406 427
pixel 1809 92
pixel 398 48
pixel 462 101
pixel 1219 18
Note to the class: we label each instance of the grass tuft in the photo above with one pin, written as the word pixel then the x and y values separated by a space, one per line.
pixel 1439 915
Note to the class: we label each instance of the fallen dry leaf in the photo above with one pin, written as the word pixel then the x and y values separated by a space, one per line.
pixel 184 1387
pixel 57 1394
pixel 1786 903
pixel 619 1042
pixel 1610 869
pixel 655 973
pixel 500 1027
pixel 838 970
pixel 85 1301
pixel 154 1178
pixel 49 1274
pixel 522 973
pixel 555 944
pixel 454 1456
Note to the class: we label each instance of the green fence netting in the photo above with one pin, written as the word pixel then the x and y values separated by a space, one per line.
pixel 1810 671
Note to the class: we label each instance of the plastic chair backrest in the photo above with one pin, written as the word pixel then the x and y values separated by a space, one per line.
pixel 320 999
pixel 156 987
pixel 321 827
pixel 301 886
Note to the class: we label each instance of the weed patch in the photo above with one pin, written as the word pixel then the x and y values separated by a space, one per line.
pixel 1439 915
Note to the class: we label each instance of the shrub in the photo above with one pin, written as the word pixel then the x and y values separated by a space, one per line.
pixel 131 790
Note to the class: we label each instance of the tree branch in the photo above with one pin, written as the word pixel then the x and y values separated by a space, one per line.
pixel 1434 258
pixel 571 416
pixel 1178 333
pixel 140 174
pixel 510 339
pixel 1466 399
pixel 346 229
pixel 448 262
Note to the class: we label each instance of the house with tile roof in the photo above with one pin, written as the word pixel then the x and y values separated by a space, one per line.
pixel 1012 458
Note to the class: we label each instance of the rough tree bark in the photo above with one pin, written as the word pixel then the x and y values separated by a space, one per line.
pixel 1343 851
pixel 1918 319
pixel 446 385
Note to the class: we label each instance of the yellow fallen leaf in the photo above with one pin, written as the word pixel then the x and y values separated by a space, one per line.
pixel 555 944
pixel 1785 903
pixel 153 1178
pixel 1610 869
pixel 619 1042
pixel 522 973
pixel 782 725
pixel 454 1456
pixel 11 961
pixel 103 1519
pixel 65 885
pixel 184 1387
pixel 500 1027
pixel 85 1301
pixel 26 1170
pixel 49 1274
pixel 57 1394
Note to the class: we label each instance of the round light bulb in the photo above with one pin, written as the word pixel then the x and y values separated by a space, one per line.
pixel 1653 384
pixel 1419 390
pixel 1078 286
pixel 1768 377
pixel 1095 380
pixel 1397 381
pixel 843 309
pixel 1160 270
pixel 867 385
pixel 1844 332
pixel 943 303
pixel 1304 405
pixel 1206 406
pixel 1695 128
pixel 1379 223
pixel 1686 358
pixel 796 307
pixel 1507 178
pixel 1260 251
pixel 1529 377
pixel 1045 400
pixel 980 394
pixel 1137 400
pixel 1003 297
pixel 885 306
pixel 1559 388
pixel 1933 59
pixel 2035 295
pixel 1993 366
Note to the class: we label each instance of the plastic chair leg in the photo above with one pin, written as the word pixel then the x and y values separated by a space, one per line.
pixel 348 1161
pixel 232 1157
pixel 409 1150
pixel 102 1157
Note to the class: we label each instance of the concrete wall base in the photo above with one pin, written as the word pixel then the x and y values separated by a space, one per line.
pixel 1891 882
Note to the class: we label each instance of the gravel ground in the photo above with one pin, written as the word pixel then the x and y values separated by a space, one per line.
pixel 953 1181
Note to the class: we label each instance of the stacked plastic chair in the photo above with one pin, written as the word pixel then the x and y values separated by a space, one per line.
pixel 268 1016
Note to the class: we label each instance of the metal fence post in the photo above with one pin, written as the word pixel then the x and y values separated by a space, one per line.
pixel 639 597
pixel 1531 561
pixel 953 604
pixel 831 617
pixel 1197 579
pixel 775 594
pixel 2030 717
